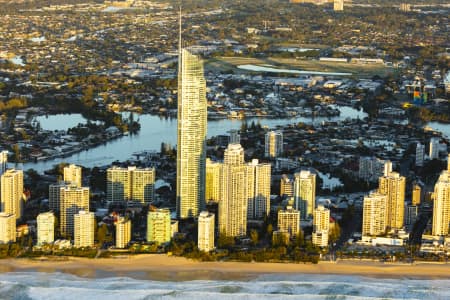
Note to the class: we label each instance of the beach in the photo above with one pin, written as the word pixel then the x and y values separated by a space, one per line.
pixel 163 267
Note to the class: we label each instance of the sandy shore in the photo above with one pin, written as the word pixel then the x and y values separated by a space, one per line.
pixel 163 267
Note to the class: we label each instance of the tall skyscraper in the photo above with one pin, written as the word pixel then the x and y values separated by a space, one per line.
pixel 258 188
pixel 374 215
pixel 123 232
pixel 441 204
pixel 72 199
pixel 273 144
pixel 130 184
pixel 286 186
pixel 205 240
pixel 434 148
pixel 158 226
pixel 12 192
pixel 420 152
pixel 45 228
pixel 54 199
pixel 213 180
pixel 321 226
pixel 3 161
pixel 416 195
pixel 7 228
pixel 289 221
pixel 393 186
pixel 242 190
pixel 191 145
pixel 305 193
pixel 84 229
pixel 235 193
pixel 72 175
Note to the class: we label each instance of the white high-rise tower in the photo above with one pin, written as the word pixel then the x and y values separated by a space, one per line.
pixel 441 204
pixel 191 145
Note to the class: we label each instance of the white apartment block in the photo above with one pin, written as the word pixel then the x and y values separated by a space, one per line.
pixel 130 184
pixel 434 148
pixel 289 221
pixel 420 154
pixel 12 192
pixel 374 215
pixel 441 205
pixel 205 231
pixel 45 228
pixel 321 226
pixel 7 228
pixel 305 193
pixel 273 144
pixel 72 200
pixel 159 228
pixel 84 229
pixel 123 232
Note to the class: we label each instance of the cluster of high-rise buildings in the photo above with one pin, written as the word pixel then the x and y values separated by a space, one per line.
pixel 11 198
pixel 385 210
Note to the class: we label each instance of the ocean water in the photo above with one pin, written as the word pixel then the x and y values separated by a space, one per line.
pixel 45 286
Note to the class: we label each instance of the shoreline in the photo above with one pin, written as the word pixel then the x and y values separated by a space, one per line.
pixel 166 268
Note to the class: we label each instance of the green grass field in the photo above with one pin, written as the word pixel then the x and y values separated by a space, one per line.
pixel 224 64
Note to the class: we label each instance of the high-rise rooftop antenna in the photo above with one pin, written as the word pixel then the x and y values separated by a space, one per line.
pixel 179 32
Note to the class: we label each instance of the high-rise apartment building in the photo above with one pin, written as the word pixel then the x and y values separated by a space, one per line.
pixel 273 144
pixel 54 195
pixel 235 193
pixel 243 190
pixel 213 179
pixel 191 145
pixel 3 161
pixel 205 240
pixel 130 184
pixel 434 148
pixel 258 188
pixel 7 228
pixel 72 199
pixel 12 192
pixel 321 226
pixel 441 204
pixel 123 232
pixel 416 195
pixel 305 193
pixel 374 215
pixel 159 226
pixel 393 185
pixel 84 229
pixel 45 228
pixel 286 186
pixel 72 175
pixel 371 168
pixel 420 154
pixel 289 221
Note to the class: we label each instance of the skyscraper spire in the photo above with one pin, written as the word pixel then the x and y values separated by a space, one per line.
pixel 179 33
pixel 191 144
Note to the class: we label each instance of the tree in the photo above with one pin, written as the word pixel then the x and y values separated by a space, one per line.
pixel 102 233
pixel 225 241
pixel 335 233
pixel 254 236
pixel 269 230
